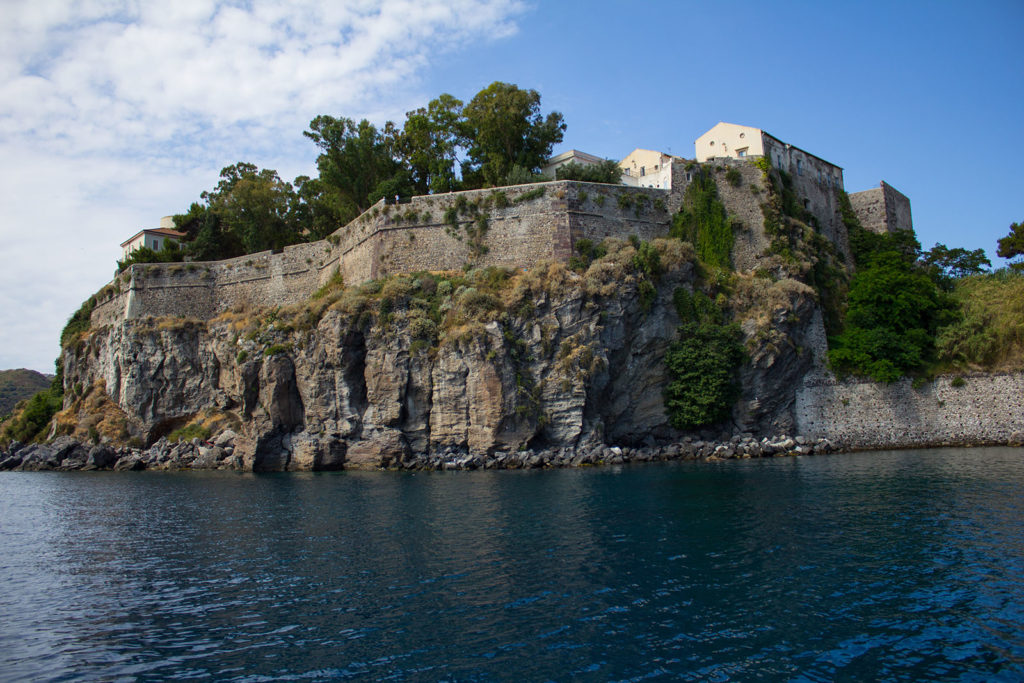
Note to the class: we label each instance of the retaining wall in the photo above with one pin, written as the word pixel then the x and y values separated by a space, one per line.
pixel 865 414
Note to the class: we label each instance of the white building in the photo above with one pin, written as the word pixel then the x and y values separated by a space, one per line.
pixel 156 239
pixel 732 140
pixel 647 168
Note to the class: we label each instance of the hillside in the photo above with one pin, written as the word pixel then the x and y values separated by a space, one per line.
pixel 18 385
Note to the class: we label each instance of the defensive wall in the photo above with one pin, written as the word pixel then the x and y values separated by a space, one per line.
pixel 514 226
pixel 976 409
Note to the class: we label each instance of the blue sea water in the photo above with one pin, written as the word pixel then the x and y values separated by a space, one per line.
pixel 896 565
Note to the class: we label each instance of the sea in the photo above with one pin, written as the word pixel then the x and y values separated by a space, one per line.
pixel 891 565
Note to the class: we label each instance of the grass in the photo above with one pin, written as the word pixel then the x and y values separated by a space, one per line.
pixel 990 334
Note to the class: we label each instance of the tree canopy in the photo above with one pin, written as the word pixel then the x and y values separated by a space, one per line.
pixel 502 127
pixel 500 137
pixel 1012 245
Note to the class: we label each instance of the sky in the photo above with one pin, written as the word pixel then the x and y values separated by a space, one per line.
pixel 114 113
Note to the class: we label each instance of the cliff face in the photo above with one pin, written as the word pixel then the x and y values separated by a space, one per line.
pixel 553 359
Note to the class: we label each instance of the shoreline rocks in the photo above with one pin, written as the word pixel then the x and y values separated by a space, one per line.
pixel 66 454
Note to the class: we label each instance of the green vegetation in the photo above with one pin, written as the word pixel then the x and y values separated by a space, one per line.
pixel 733 177
pixel 32 417
pixel 703 222
pixel 78 324
pixel 1012 245
pixel 607 171
pixel 18 385
pixel 989 335
pixel 501 133
pixel 189 432
pixel 702 364
pixel 894 309
pixel 502 128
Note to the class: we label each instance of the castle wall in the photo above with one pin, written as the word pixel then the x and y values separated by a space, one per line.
pixel 865 414
pixel 882 209
pixel 204 289
pixel 525 224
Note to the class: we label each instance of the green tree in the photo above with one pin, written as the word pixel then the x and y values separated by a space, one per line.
pixel 355 161
pixel 607 171
pixel 894 312
pixel 1013 245
pixel 503 127
pixel 206 238
pixel 946 264
pixel 429 142
pixel 253 204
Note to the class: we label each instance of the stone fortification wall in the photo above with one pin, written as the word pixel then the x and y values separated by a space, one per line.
pixel 864 414
pixel 882 209
pixel 204 289
pixel 524 224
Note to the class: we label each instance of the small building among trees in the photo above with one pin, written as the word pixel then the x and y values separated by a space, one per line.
pixel 155 239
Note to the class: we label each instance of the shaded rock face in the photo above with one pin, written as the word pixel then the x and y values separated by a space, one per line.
pixel 355 392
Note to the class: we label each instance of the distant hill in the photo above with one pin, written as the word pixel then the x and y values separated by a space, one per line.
pixel 17 385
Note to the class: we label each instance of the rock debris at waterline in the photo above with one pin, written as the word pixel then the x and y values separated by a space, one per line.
pixel 67 454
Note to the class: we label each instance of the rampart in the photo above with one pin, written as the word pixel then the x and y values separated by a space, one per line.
pixel 513 226
pixel 977 409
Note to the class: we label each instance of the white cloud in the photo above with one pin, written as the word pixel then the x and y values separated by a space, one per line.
pixel 113 113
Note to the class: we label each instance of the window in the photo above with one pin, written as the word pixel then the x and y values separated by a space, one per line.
pixel 643 171
pixel 156 245
pixel 742 152
pixel 799 167
pixel 742 135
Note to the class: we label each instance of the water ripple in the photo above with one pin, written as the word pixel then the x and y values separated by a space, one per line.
pixel 893 565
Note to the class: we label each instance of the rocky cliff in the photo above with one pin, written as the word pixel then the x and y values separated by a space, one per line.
pixel 395 373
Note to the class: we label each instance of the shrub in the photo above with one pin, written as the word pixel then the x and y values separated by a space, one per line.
pixel 702 366
pixel 277 349
pixel 703 222
pixel 733 177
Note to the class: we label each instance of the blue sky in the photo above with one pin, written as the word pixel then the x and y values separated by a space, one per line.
pixel 114 113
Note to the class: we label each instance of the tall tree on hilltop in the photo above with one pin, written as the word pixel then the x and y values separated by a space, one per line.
pixel 428 144
pixel 1013 245
pixel 503 128
pixel 356 165
pixel 253 205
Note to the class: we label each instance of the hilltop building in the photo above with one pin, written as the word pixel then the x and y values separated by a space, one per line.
pixel 647 168
pixel 155 239
pixel 732 140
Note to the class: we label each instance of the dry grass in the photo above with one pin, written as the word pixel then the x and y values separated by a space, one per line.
pixel 93 416
pixel 760 299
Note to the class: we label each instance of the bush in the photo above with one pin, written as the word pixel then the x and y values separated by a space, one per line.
pixel 702 367
pixel 31 423
pixel 894 312
pixel 607 171
pixel 733 177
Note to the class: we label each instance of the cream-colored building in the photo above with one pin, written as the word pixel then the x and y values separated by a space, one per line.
pixel 733 140
pixel 647 168
pixel 156 239
pixel 573 156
